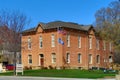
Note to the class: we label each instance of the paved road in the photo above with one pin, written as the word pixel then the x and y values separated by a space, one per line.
pixel 42 78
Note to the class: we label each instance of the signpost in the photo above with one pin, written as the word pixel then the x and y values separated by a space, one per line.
pixel 19 68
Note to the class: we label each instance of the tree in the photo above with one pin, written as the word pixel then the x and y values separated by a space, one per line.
pixel 12 23
pixel 108 24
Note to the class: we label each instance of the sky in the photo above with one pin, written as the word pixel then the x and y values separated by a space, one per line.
pixel 78 11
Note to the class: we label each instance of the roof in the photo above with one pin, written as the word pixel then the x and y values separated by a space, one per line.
pixel 56 24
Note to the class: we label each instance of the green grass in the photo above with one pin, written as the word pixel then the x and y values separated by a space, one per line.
pixel 68 73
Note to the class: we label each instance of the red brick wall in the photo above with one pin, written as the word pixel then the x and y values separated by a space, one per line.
pixel 61 50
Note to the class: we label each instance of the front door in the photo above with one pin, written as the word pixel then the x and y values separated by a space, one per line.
pixel 41 60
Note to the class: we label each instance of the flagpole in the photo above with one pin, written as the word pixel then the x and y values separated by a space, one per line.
pixel 58 67
pixel 60 42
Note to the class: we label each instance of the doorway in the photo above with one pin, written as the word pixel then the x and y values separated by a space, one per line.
pixel 41 59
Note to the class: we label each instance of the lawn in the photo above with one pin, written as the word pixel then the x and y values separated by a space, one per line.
pixel 68 73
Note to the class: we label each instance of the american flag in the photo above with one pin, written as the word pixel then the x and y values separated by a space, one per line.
pixel 61 31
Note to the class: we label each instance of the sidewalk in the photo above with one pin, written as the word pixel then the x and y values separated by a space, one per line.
pixel 43 78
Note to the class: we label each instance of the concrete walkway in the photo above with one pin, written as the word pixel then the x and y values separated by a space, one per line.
pixel 43 78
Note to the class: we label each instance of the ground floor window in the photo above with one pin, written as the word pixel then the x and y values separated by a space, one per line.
pixel 110 59
pixel 30 59
pixel 98 59
pixel 68 58
pixel 79 58
pixel 90 58
pixel 53 58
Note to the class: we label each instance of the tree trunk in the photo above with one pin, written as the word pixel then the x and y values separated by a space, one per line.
pixel 14 63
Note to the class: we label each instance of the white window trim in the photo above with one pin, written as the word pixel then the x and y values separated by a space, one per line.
pixel 90 62
pixel 80 62
pixel 110 59
pixel 79 41
pixel 68 57
pixel 29 41
pixel 39 60
pixel 52 56
pixel 52 40
pixel 98 59
pixel 29 58
pixel 104 45
pixel 68 40
pixel 110 46
pixel 98 44
pixel 40 40
pixel 90 42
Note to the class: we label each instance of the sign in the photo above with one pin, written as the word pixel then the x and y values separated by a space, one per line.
pixel 1 67
pixel 19 68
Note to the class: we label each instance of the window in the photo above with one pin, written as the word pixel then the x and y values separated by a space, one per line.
pixel 53 58
pixel 79 58
pixel 104 45
pixel 68 40
pixel 30 59
pixel 90 42
pixel 29 43
pixel 98 59
pixel 98 44
pixel 110 59
pixel 110 46
pixel 68 58
pixel 40 42
pixel 41 59
pixel 79 42
pixel 53 40
pixel 90 58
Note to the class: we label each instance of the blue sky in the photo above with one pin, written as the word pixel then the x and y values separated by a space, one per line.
pixel 78 11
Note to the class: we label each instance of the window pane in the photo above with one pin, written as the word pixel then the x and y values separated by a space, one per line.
pixel 97 44
pixel 98 59
pixel 53 58
pixel 90 42
pixel 68 40
pixel 40 42
pixel 53 40
pixel 30 59
pixel 104 45
pixel 79 42
pixel 68 58
pixel 79 58
pixel 110 46
pixel 29 43
pixel 90 58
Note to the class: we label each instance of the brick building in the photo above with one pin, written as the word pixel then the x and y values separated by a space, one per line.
pixel 64 44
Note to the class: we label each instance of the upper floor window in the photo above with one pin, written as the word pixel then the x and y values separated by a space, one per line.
pixel 53 58
pixel 40 42
pixel 90 42
pixel 98 44
pixel 104 45
pixel 29 43
pixel 52 40
pixel 30 59
pixel 68 58
pixel 68 40
pixel 79 41
pixel 90 58
pixel 98 59
pixel 79 58
pixel 110 46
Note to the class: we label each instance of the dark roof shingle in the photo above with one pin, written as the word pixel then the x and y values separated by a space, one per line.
pixel 57 24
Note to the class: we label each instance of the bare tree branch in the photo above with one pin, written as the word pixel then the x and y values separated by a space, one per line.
pixel 108 23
